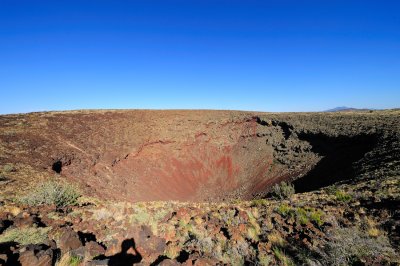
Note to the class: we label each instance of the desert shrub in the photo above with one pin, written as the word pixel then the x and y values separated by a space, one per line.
pixel 51 192
pixel 284 209
pixel 24 236
pixel 276 239
pixel 69 260
pixel 282 257
pixel 307 214
pixel 331 190
pixel 264 260
pixel 252 233
pixel 349 246
pixel 282 190
pixel 259 202
pixel 302 216
pixel 316 216
pixel 342 196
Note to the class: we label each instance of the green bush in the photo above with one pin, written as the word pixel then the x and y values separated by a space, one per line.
pixel 316 216
pixel 284 209
pixel 69 259
pixel 75 261
pixel 259 202
pixel 302 216
pixel 342 196
pixel 283 190
pixel 51 192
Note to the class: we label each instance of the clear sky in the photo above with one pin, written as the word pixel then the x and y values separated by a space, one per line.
pixel 197 54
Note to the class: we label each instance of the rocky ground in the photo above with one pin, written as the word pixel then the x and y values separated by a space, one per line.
pixel 196 188
pixel 339 225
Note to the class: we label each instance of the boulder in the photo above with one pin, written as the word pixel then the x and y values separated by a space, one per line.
pixel 3 259
pixel 94 249
pixel 33 255
pixel 149 245
pixel 144 244
pixel 169 262
pixel 25 219
pixel 69 240
pixel 89 251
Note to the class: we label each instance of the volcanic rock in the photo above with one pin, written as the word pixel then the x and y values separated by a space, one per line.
pixel 69 240
pixel 33 255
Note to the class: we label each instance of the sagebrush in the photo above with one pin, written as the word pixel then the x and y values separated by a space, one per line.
pixel 282 190
pixel 52 192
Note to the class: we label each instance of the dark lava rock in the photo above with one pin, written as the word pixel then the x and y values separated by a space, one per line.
pixel 25 219
pixel 91 249
pixel 69 240
pixel 33 255
pixel 169 262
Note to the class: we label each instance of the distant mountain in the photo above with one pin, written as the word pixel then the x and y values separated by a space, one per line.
pixel 347 109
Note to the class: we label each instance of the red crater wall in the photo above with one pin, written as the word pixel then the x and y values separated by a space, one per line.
pixel 142 155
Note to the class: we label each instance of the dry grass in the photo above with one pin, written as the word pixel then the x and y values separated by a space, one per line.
pixel 350 246
pixel 24 236
pixel 14 210
pixel 276 239
pixel 69 260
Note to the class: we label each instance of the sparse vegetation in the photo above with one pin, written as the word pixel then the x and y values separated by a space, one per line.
pixel 264 260
pixel 252 233
pixel 373 232
pixel 302 216
pixel 349 246
pixel 69 260
pixel 24 236
pixel 259 202
pixel 331 190
pixel 316 216
pixel 342 196
pixel 282 190
pixel 282 257
pixel 276 239
pixel 51 192
pixel 283 209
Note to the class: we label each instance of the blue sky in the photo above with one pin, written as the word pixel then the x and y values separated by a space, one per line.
pixel 198 54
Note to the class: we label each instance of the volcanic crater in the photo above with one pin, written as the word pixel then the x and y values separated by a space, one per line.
pixel 198 155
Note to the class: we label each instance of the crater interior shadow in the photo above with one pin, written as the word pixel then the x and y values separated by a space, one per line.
pixel 339 155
